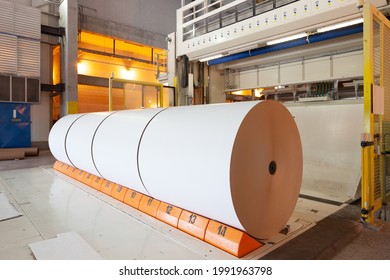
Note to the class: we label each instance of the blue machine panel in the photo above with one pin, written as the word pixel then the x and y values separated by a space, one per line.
pixel 15 125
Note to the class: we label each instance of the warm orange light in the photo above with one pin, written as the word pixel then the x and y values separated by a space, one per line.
pixel 243 92
pixel 258 92
pixel 128 74
pixel 81 68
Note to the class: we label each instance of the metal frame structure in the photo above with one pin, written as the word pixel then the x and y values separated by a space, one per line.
pixel 112 80
pixel 376 38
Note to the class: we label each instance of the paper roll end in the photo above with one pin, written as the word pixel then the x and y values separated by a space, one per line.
pixel 266 169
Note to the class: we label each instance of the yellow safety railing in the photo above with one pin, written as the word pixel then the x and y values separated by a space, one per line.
pixel 376 41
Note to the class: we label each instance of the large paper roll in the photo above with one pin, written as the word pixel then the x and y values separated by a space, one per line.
pixel 79 141
pixel 115 146
pixel 57 137
pixel 240 164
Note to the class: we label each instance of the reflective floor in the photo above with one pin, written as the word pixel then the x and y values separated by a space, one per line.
pixel 52 203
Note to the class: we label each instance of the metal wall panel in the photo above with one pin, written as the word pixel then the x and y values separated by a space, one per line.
pixel 248 79
pixel 269 76
pixel 29 58
pixel 33 90
pixel 27 22
pixel 7 17
pixel 18 89
pixel 291 73
pixel 318 69
pixel 5 88
pixel 348 65
pixel 8 54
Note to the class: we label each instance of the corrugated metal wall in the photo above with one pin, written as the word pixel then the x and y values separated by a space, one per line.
pixel 8 54
pixel 27 22
pixel 20 50
pixel 7 17
pixel 28 58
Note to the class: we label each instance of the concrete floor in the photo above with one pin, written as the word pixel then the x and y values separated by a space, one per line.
pixel 339 236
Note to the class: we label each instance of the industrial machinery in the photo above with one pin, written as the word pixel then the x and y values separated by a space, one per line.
pixel 302 53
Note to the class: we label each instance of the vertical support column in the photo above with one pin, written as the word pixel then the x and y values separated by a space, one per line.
pixel 161 100
pixel 367 143
pixel 110 107
pixel 69 50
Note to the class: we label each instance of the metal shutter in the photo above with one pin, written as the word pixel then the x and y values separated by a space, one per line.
pixel 6 17
pixel 29 59
pixel 8 54
pixel 27 22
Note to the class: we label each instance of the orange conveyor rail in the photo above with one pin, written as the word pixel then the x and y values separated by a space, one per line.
pixel 229 239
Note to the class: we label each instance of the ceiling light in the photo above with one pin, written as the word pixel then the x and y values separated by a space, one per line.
pixel 340 25
pixel 288 38
pixel 81 68
pixel 127 74
pixel 210 57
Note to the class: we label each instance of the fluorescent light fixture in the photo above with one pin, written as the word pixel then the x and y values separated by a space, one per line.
pixel 339 25
pixel 288 38
pixel 243 49
pixel 210 57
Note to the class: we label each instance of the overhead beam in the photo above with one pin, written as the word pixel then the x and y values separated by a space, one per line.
pixel 56 88
pixel 52 31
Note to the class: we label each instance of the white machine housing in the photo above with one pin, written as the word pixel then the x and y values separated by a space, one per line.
pixel 255 31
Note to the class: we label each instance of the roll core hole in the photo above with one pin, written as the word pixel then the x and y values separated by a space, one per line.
pixel 272 167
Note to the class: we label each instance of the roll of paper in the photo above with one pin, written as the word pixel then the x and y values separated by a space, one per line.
pixel 57 137
pixel 79 141
pixel 115 146
pixel 239 164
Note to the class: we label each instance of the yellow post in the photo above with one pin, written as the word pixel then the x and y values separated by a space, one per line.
pixel 176 91
pixel 73 107
pixel 367 145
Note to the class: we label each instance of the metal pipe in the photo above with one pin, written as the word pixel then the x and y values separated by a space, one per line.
pixel 319 37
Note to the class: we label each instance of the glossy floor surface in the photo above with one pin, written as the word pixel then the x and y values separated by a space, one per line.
pixel 52 204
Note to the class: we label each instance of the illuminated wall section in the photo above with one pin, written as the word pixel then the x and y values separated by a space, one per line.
pixel 101 56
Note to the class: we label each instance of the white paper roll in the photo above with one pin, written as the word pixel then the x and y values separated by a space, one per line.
pixel 240 164
pixel 79 141
pixel 57 137
pixel 115 146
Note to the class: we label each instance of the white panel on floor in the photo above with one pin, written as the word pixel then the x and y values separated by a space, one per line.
pixel 7 210
pixel 67 246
